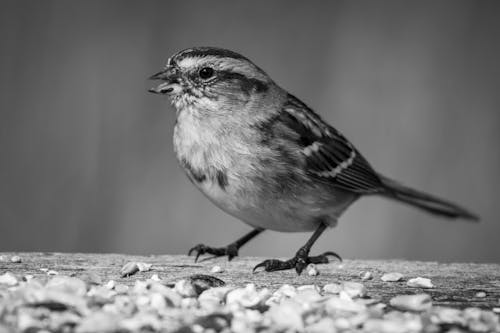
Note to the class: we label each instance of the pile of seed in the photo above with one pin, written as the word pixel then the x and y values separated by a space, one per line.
pixel 204 303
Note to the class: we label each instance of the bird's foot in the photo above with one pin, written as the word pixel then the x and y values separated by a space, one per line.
pixel 231 251
pixel 299 262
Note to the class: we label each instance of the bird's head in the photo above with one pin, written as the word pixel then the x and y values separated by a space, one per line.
pixel 211 79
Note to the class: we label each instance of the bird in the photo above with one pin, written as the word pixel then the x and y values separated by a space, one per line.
pixel 265 157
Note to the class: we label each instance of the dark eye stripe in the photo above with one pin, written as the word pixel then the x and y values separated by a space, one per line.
pixel 247 84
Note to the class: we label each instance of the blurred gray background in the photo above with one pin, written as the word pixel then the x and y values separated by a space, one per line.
pixel 86 160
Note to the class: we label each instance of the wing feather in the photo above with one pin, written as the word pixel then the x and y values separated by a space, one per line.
pixel 329 156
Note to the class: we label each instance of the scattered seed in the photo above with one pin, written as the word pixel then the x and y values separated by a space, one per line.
pixel 15 259
pixel 420 302
pixel 90 278
pixel 121 288
pixel 286 317
pixel 392 277
pixel 202 282
pixel 248 297
pixel 365 276
pixel 8 279
pixel 307 296
pixel 202 303
pixel 110 284
pixel 99 322
pixel 143 267
pixel 420 282
pixel 129 269
pixel 322 326
pixel 449 316
pixel 332 288
pixel 312 270
pixel 354 289
pixel 66 284
pixel 155 278
pixel 216 269
pixel 308 286
pixel 342 305
pixel 185 288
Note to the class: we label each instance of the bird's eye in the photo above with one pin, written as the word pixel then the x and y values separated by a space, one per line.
pixel 206 73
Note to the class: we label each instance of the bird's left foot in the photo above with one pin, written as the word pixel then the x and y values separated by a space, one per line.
pixel 299 262
pixel 231 251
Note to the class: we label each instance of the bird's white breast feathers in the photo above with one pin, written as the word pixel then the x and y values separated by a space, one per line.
pixel 223 167
pixel 201 150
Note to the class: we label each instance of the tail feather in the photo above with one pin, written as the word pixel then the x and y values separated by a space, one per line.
pixel 426 201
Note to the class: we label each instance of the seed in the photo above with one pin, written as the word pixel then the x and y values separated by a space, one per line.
pixel 216 269
pixel 312 270
pixel 155 278
pixel 248 297
pixel 111 284
pixel 121 288
pixel 287 316
pixel 66 284
pixel 15 259
pixel 128 269
pixel 332 288
pixel 420 302
pixel 185 288
pixel 143 267
pixel 354 289
pixel 392 277
pixel 202 282
pixel 8 279
pixel 420 282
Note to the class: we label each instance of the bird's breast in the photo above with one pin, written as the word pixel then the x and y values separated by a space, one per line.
pixel 207 158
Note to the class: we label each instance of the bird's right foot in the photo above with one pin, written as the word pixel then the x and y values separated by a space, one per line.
pixel 230 251
pixel 299 262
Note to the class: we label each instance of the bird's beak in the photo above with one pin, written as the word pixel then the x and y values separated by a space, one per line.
pixel 171 82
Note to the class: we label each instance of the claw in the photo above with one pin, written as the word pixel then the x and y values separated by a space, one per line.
pixel 262 264
pixel 299 262
pixel 199 249
pixel 231 251
pixel 194 248
pixel 333 254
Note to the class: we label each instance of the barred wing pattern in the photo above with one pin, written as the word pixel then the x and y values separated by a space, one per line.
pixel 328 154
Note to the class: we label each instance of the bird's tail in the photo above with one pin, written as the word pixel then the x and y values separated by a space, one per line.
pixel 427 202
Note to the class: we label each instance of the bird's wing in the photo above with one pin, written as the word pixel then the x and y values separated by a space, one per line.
pixel 329 156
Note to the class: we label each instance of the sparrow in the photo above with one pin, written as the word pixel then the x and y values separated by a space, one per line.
pixel 262 155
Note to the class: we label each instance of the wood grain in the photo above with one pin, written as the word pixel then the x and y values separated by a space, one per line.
pixel 456 284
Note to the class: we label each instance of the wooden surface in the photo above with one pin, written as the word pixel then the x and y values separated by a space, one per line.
pixel 456 285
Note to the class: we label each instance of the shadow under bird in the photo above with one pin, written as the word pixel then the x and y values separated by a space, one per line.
pixel 263 156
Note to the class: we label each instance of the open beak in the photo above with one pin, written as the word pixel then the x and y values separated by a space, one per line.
pixel 171 81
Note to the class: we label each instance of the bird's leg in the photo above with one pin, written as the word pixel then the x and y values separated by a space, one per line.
pixel 231 250
pixel 302 258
